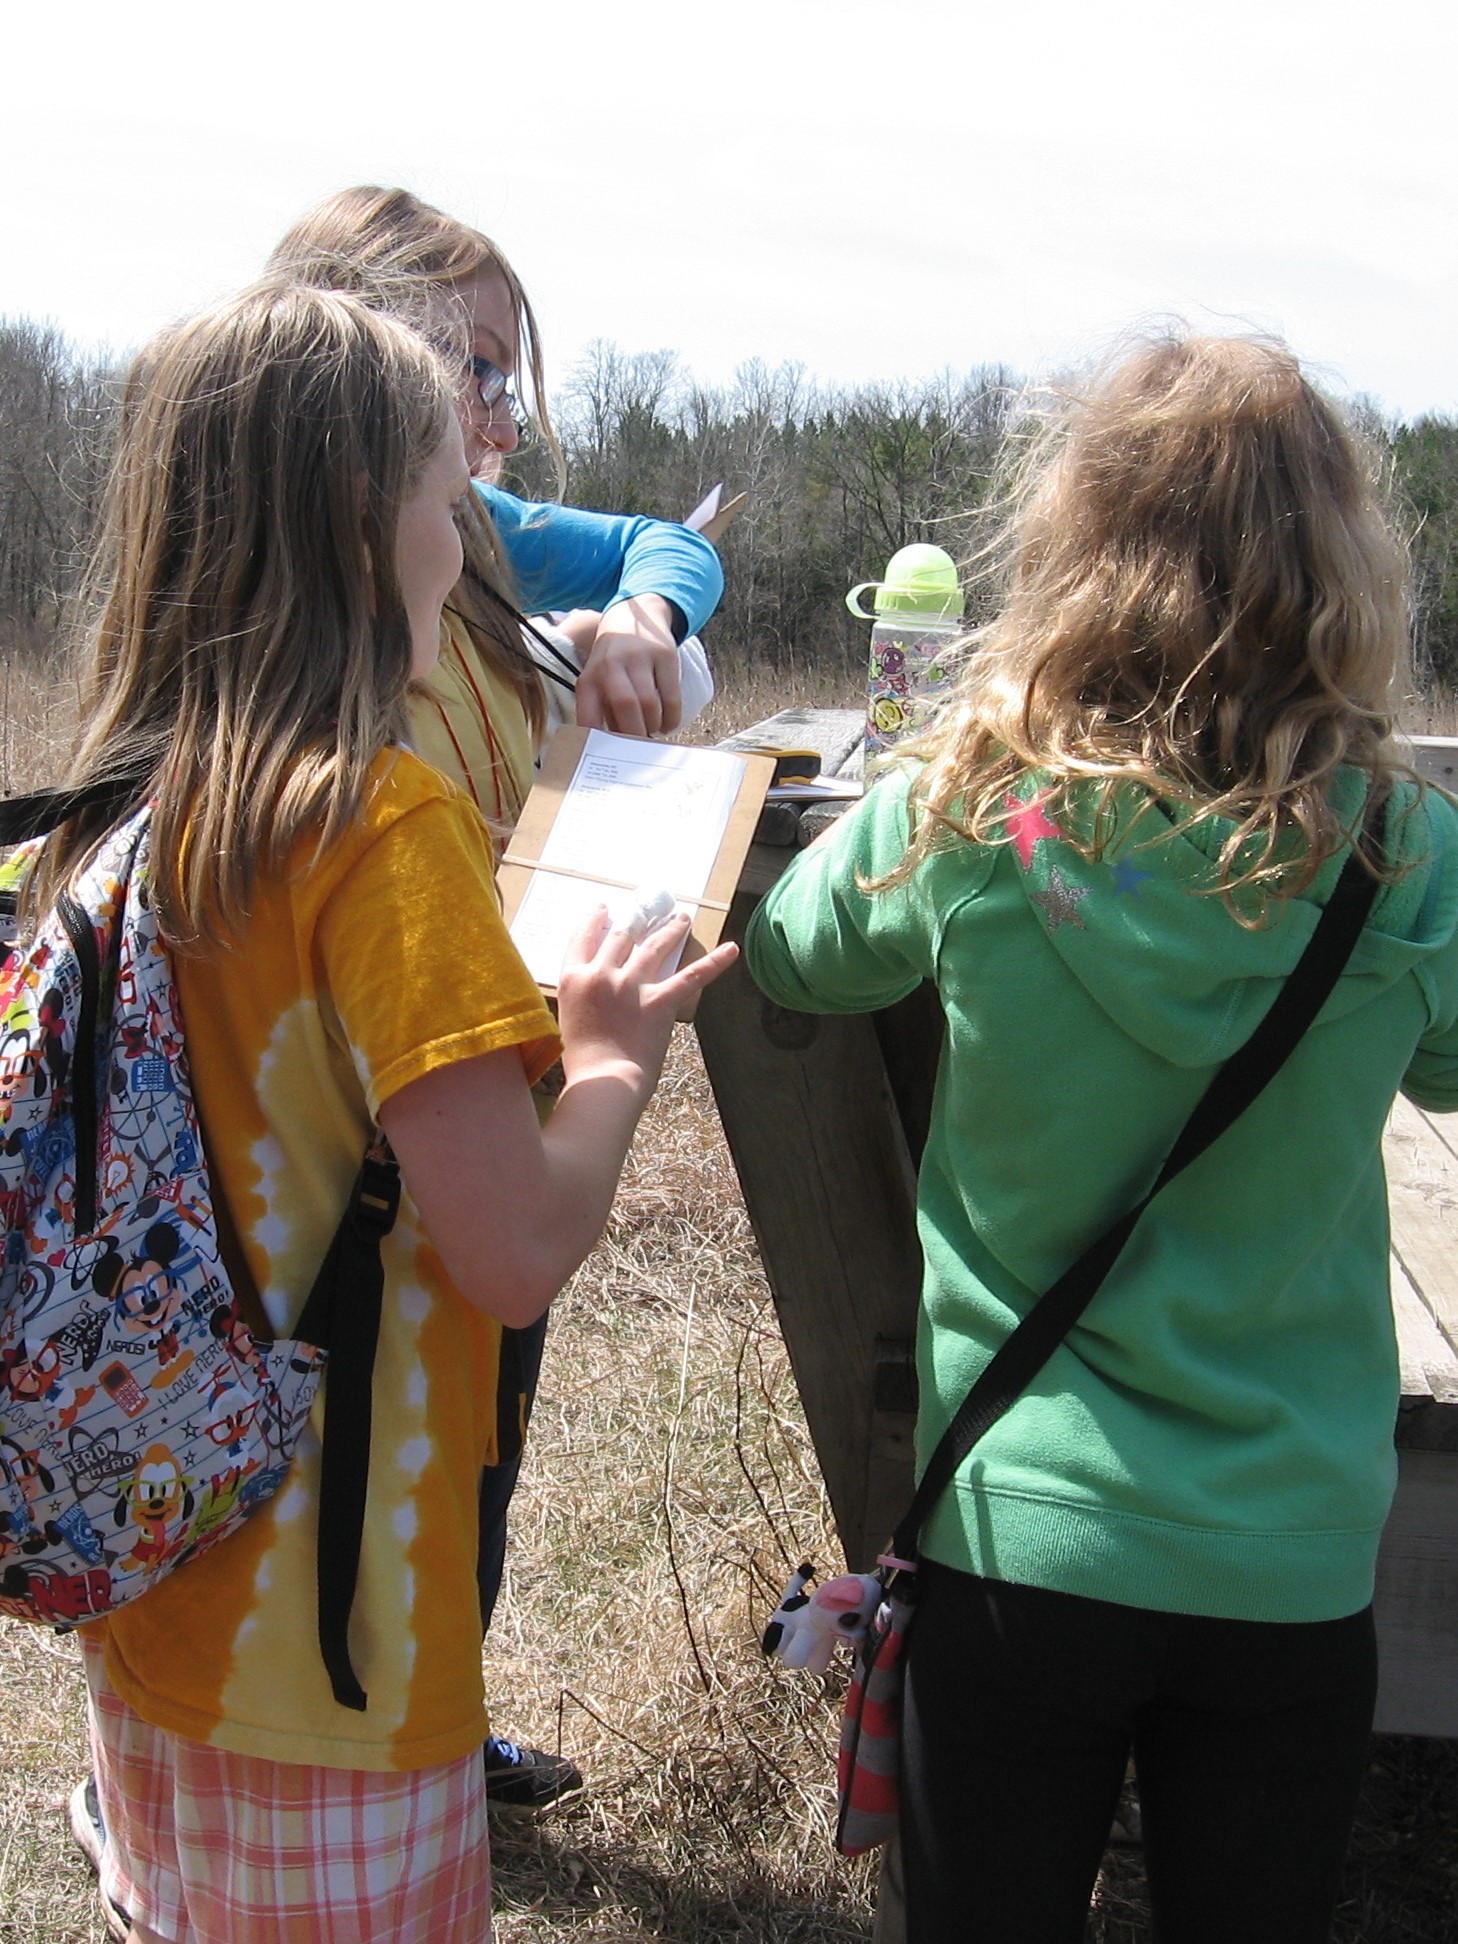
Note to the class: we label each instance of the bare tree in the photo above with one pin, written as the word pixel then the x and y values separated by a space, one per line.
pixel 55 411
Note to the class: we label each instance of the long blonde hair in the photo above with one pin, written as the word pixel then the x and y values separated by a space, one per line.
pixel 1201 598
pixel 379 241
pixel 250 652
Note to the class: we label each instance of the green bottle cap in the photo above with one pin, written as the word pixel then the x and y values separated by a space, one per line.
pixel 919 580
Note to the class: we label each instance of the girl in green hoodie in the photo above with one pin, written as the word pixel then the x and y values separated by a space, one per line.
pixel 1108 852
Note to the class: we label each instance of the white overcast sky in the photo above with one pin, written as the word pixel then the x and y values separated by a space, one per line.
pixel 872 190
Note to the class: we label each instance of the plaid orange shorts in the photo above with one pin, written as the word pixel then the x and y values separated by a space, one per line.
pixel 207 1847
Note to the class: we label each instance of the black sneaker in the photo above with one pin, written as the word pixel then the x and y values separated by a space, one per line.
pixel 89 1832
pixel 526 1778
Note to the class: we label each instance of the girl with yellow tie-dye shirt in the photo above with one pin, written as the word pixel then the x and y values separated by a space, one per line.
pixel 280 537
pixel 480 717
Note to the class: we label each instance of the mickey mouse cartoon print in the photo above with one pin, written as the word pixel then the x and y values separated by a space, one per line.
pixel 147 1300
pixel 37 1047
pixel 33 1480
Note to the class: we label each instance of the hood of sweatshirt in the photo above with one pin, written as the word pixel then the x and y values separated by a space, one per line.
pixel 1147 933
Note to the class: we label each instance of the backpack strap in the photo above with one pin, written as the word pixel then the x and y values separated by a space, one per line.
pixel 43 811
pixel 1235 1085
pixel 37 815
pixel 342 1316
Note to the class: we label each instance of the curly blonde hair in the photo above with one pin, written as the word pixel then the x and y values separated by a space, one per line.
pixel 1202 598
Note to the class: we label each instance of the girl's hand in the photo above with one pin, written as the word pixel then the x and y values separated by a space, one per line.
pixel 630 681
pixel 615 1009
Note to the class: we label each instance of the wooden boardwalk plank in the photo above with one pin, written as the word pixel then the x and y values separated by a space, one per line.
pixel 783 828
pixel 1427 1417
pixel 1442 1128
pixel 1422 1184
pixel 1421 1346
pixel 1436 758
pixel 836 733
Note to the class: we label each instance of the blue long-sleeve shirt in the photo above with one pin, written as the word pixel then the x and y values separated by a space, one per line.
pixel 564 557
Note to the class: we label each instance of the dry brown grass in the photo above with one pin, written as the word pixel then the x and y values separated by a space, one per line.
pixel 1435 714
pixel 47 1894
pixel 672 1489
pixel 39 705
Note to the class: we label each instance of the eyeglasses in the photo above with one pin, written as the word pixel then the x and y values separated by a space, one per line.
pixel 491 382
pixel 492 386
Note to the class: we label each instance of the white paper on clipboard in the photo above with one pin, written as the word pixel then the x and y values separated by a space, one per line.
pixel 636 815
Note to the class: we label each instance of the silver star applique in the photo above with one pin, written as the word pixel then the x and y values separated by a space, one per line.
pixel 1060 901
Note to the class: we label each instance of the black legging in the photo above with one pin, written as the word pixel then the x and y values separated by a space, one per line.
pixel 1022 1708
pixel 521 1366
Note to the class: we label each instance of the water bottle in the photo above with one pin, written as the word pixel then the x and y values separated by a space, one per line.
pixel 916 616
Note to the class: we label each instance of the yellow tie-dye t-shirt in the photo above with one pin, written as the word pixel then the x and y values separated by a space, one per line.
pixel 357 973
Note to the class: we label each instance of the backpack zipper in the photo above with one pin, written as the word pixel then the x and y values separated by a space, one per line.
pixel 84 1108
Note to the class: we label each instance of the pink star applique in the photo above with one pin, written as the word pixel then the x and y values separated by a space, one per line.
pixel 1027 823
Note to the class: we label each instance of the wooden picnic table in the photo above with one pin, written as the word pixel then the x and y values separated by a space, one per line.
pixel 825 1118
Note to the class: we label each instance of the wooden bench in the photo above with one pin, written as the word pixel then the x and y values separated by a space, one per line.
pixel 825 1118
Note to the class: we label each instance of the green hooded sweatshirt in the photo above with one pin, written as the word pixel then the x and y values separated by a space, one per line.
pixel 1215 1436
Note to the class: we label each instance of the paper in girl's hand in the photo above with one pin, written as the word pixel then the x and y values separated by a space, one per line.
pixel 650 909
pixel 557 908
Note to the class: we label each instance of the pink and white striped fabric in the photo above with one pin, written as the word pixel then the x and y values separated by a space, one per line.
pixel 208 1847
pixel 869 1765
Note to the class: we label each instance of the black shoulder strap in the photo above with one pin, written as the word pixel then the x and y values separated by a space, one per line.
pixel 1248 1070
pixel 42 811
pixel 342 1315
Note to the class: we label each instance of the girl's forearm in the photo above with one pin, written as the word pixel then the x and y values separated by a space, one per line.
pixel 584 1146
pixel 512 1208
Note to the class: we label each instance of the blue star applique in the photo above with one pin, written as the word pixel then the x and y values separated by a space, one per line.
pixel 1060 901
pixel 1127 879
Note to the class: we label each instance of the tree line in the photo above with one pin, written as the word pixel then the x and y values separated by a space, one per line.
pixel 56 412
pixel 837 478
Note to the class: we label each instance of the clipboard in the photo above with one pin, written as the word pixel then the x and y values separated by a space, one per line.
pixel 745 778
